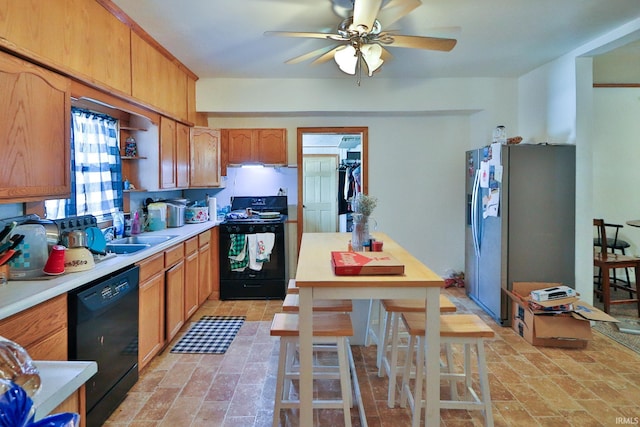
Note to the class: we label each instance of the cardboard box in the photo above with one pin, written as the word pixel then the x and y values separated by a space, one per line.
pixel 559 323
pixel 365 263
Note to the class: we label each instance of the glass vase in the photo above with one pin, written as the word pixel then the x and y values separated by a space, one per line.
pixel 360 233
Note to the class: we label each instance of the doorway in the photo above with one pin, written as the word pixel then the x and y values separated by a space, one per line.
pixel 327 156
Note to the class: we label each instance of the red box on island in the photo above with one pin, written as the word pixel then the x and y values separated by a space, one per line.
pixel 365 263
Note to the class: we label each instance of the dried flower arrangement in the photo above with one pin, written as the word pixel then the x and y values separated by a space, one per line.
pixel 364 204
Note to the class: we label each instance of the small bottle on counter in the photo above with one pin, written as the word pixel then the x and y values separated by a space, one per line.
pixel 136 224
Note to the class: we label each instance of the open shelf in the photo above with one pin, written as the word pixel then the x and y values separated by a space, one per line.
pixel 132 128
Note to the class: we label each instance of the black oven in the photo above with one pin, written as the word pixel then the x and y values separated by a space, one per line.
pixel 253 249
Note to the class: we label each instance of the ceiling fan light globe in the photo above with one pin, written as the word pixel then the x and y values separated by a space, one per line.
pixel 346 59
pixel 371 53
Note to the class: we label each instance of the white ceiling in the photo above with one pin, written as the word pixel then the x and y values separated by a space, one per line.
pixel 496 38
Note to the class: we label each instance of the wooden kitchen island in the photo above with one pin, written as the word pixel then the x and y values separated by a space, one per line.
pixel 316 280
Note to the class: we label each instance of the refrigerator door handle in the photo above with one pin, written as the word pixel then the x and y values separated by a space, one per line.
pixel 474 213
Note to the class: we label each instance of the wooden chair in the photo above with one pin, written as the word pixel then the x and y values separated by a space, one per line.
pixel 606 261
pixel 614 244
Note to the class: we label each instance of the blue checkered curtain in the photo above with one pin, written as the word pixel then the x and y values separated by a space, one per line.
pixel 96 178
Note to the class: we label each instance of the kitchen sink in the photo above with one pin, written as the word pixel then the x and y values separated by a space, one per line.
pixel 141 240
pixel 123 249
pixel 129 245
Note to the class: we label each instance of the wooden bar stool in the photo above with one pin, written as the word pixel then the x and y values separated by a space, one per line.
pixel 292 288
pixel 466 329
pixel 388 350
pixel 328 328
pixel 291 304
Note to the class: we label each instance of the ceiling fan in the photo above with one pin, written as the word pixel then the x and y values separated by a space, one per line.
pixel 361 38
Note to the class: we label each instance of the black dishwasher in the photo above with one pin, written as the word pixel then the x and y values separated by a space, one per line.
pixel 103 326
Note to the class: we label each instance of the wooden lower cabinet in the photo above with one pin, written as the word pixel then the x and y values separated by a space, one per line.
pixel 191 272
pixel 151 309
pixel 173 285
pixel 204 275
pixel 215 263
pixel 75 403
pixel 174 310
pixel 41 330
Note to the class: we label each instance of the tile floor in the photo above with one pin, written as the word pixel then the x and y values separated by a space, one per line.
pixel 530 386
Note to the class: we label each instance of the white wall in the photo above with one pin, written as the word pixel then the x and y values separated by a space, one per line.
pixel 557 102
pixel 616 157
pixel 418 133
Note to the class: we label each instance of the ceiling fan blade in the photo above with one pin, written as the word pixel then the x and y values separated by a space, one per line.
pixel 364 13
pixel 396 10
pixel 386 55
pixel 305 35
pixel 418 42
pixel 309 55
pixel 327 56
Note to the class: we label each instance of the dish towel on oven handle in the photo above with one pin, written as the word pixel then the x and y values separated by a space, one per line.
pixel 238 259
pixel 260 247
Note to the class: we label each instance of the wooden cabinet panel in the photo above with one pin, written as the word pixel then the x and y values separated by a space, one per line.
pixel 204 238
pixel 191 245
pixel 215 263
pixel 151 266
pixel 52 347
pixel 191 272
pixel 151 318
pixel 35 26
pixel 67 33
pixel 168 87
pixel 173 255
pixel 174 299
pixel 204 273
pixel 87 26
pixel 272 146
pixel 240 146
pixel 183 144
pixel 205 157
pixel 167 153
pixel 268 146
pixel 35 119
pixel 41 330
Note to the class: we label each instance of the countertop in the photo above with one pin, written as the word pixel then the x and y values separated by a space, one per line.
pixel 59 380
pixel 16 296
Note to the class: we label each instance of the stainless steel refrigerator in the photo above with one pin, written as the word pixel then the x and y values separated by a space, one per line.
pixel 520 202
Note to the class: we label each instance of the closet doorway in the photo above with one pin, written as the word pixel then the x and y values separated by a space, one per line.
pixel 328 160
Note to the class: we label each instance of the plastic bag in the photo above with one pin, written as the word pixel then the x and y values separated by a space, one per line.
pixel 17 410
pixel 65 419
pixel 16 365
pixel 16 407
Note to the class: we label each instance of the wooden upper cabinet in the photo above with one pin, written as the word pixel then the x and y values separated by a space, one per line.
pixel 68 33
pixel 205 157
pixel 167 153
pixel 241 148
pixel 183 155
pixel 157 80
pixel 97 44
pixel 35 119
pixel 267 146
pixel 35 26
pixel 272 146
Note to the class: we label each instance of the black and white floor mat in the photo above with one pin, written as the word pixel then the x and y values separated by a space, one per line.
pixel 210 334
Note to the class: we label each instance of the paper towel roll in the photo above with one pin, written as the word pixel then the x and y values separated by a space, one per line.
pixel 213 209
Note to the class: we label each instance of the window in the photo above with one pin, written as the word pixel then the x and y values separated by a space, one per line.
pixel 96 178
